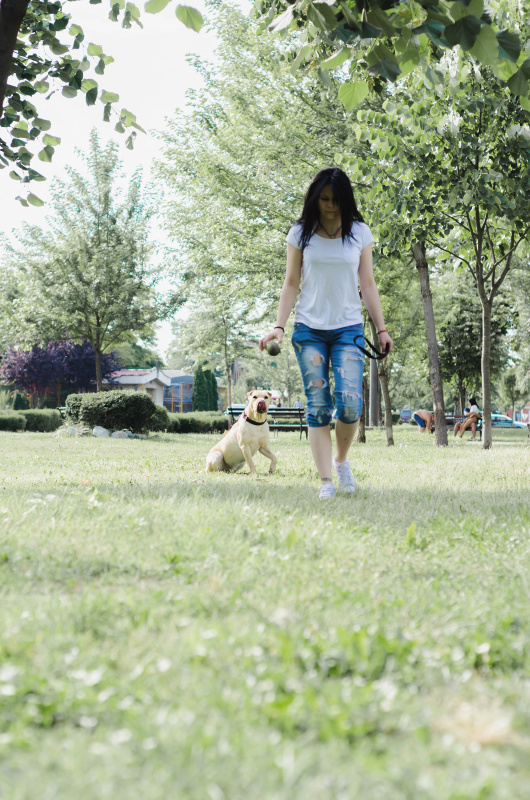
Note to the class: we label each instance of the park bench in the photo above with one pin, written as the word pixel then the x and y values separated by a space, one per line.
pixel 285 418
pixel 451 421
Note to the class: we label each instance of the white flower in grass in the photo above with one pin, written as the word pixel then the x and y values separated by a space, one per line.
pixel 8 672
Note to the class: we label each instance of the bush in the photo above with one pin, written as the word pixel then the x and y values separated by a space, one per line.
pixel 42 420
pixel 160 420
pixel 198 422
pixel 116 410
pixel 20 401
pixel 11 421
pixel 73 407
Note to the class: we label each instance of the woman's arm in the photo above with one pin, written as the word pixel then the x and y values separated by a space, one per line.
pixel 371 297
pixel 288 294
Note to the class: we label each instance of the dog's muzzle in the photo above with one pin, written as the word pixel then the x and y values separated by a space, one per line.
pixel 262 406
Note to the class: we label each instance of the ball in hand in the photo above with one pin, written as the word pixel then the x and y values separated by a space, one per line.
pixel 273 348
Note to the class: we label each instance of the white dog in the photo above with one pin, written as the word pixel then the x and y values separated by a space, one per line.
pixel 248 435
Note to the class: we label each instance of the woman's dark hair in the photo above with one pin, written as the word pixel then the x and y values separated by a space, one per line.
pixel 472 401
pixel 343 194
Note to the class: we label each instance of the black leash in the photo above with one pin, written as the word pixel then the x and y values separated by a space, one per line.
pixel 378 354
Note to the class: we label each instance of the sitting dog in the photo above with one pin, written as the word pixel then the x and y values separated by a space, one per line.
pixel 248 435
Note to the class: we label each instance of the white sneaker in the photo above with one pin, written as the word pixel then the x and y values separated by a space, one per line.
pixel 327 491
pixel 345 475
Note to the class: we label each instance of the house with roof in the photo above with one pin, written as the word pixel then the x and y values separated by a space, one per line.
pixel 177 396
pixel 154 381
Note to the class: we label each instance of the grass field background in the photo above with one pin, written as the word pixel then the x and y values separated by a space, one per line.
pixel 171 633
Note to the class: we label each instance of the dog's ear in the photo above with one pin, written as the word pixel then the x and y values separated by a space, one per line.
pixel 249 394
pixel 270 395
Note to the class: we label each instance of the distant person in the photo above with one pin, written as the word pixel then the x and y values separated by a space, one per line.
pixel 298 403
pixel 425 419
pixel 470 418
pixel 279 404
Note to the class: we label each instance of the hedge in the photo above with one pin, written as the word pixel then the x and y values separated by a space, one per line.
pixel 116 410
pixel 12 421
pixel 42 420
pixel 198 422
pixel 160 420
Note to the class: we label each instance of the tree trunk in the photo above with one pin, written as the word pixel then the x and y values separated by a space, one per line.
pixel 229 384
pixel 361 432
pixel 12 12
pixel 99 379
pixel 434 364
pixel 487 440
pixel 383 380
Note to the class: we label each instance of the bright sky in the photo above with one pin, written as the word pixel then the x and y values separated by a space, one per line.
pixel 151 75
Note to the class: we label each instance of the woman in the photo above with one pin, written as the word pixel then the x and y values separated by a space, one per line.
pixel 331 248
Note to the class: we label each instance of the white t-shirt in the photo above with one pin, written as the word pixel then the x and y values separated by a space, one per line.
pixel 329 296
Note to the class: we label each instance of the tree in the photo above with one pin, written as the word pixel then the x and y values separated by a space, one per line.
pixel 34 59
pixel 204 396
pixel 460 335
pixel 511 390
pixel 90 277
pixel 388 40
pixel 457 179
pixel 43 369
pixel 134 356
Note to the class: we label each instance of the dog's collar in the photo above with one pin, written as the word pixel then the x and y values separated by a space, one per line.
pixel 252 421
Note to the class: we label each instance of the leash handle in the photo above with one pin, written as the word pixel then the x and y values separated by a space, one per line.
pixel 378 354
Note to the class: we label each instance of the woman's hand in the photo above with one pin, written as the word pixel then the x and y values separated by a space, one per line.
pixel 385 342
pixel 277 333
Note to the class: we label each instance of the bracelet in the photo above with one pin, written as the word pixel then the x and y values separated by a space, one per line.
pixel 280 327
pixel 383 330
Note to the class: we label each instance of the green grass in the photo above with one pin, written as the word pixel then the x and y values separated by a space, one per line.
pixel 171 633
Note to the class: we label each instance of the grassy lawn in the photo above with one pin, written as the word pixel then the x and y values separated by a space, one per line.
pixel 172 634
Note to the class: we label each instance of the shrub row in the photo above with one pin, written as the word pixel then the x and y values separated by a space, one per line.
pixel 38 420
pixel 116 410
pixel 198 422
pixel 41 420
pixel 11 421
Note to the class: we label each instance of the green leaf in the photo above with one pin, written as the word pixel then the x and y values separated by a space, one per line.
pixel 155 6
pixel 301 58
pixel 518 84
pixel 106 112
pixel 509 45
pixel 100 68
pixel 464 32
pixel 382 62
pixel 282 21
pixel 485 49
pixel 22 201
pixel 353 94
pixel 337 59
pixel 53 141
pixel 75 30
pixel 109 97
pixel 88 84
pixel 190 17
pixel 42 124
pixel 322 16
pixel 95 50
pixel 15 176
pixel 34 200
pixel 69 91
pixel 59 49
pixel 91 96
pixel 524 103
pixel 46 154
pixel 41 86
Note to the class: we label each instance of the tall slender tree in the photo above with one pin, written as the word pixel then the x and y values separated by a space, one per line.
pixel 91 276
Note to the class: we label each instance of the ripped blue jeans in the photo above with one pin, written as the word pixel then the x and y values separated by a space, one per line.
pixel 315 350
